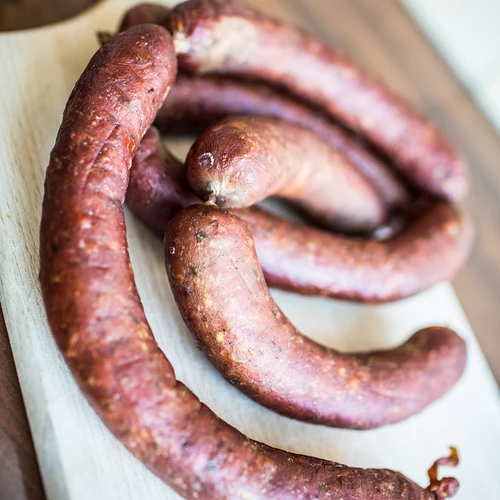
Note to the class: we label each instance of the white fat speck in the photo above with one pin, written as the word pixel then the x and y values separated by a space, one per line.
pixel 181 44
pixel 85 224
pixel 202 159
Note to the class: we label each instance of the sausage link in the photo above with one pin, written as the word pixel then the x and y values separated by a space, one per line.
pixel 157 188
pixel 243 159
pixel 144 13
pixel 220 290
pixel 195 103
pixel 308 260
pixel 230 38
pixel 97 318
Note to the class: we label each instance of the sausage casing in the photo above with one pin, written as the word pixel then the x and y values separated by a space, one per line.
pixel 98 320
pixel 220 290
pixel 241 160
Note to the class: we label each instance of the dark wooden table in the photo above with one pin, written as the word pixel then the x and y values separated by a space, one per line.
pixel 382 37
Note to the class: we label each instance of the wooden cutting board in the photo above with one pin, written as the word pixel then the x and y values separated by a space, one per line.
pixel 79 459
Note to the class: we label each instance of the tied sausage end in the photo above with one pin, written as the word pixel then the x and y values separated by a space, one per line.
pixel 447 486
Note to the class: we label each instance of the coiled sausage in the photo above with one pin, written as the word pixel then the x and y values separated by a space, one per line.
pixel 98 320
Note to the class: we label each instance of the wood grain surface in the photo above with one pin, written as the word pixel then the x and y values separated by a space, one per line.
pixel 382 37
pixel 19 475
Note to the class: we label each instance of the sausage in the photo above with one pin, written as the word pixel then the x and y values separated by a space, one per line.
pixel 195 103
pixel 157 188
pixel 139 14
pixel 144 13
pixel 243 159
pixel 230 38
pixel 308 260
pixel 98 321
pixel 222 296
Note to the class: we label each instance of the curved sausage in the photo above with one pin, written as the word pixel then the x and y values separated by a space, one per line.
pixel 241 160
pixel 230 38
pixel 220 290
pixel 308 260
pixel 144 13
pixel 98 320
pixel 157 188
pixel 195 103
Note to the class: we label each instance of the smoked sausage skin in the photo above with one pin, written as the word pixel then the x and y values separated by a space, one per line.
pixel 220 290
pixel 98 320
pixel 242 160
